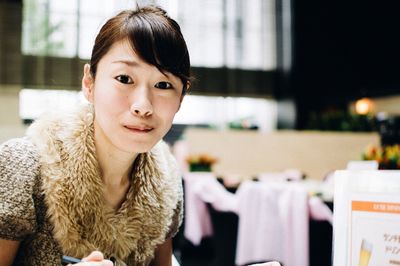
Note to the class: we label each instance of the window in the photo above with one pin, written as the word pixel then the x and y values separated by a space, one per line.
pixel 49 28
pixel 219 33
pixel 223 112
pixel 233 33
pixel 65 28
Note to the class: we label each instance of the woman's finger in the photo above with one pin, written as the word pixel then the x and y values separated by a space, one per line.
pixel 94 256
pixel 96 263
pixel 108 263
pixel 272 263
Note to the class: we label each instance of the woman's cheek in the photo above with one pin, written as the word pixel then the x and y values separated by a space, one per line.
pixel 111 99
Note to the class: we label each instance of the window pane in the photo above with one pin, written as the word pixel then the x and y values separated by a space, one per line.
pixel 221 111
pixel 34 25
pixel 233 33
pixel 202 25
pixel 63 7
pixel 63 32
pixel 49 28
pixel 90 26
pixel 93 14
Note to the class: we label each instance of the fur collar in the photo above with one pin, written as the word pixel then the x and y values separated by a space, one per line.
pixel 73 192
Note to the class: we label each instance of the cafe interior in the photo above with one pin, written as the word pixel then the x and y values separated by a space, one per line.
pixel 286 93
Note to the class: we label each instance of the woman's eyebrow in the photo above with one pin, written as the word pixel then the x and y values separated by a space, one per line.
pixel 126 62
pixel 133 63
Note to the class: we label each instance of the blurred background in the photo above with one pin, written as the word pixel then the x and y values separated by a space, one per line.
pixel 273 64
pixel 280 84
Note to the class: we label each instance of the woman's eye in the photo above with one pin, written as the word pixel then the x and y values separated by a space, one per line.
pixel 125 79
pixel 163 85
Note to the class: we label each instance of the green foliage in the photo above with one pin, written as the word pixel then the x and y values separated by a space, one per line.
pixel 341 121
pixel 37 37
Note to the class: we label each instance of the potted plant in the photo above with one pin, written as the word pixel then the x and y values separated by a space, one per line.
pixel 201 162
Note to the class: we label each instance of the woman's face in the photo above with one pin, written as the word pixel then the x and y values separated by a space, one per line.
pixel 134 102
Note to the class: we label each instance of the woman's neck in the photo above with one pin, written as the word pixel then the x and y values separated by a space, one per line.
pixel 115 164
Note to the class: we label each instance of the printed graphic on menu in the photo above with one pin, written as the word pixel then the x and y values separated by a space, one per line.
pixel 375 231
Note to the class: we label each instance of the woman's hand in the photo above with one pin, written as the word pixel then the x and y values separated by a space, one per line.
pixel 8 250
pixel 163 254
pixel 96 258
pixel 272 263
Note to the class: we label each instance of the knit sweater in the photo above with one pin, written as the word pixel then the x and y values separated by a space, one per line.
pixel 51 196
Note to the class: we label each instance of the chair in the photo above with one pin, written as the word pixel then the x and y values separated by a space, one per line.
pixel 225 226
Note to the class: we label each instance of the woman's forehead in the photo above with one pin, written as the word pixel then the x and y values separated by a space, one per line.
pixel 121 52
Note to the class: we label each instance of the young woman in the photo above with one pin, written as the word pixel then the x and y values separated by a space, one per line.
pixel 99 178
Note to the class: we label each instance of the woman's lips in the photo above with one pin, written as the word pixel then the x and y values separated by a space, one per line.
pixel 139 129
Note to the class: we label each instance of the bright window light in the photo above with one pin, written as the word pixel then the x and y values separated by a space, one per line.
pixel 220 111
pixel 34 102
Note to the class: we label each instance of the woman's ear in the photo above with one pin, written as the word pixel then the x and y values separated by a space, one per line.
pixel 186 89
pixel 188 85
pixel 87 83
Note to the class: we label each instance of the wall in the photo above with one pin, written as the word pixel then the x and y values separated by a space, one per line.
pixel 10 124
pixel 10 42
pixel 389 105
pixel 249 153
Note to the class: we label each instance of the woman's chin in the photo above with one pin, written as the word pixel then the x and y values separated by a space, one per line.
pixel 136 148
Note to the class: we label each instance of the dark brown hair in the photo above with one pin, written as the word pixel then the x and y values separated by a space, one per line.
pixel 154 37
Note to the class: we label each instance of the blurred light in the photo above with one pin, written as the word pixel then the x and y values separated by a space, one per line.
pixel 364 106
pixel 34 102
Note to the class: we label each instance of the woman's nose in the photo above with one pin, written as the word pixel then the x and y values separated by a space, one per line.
pixel 141 103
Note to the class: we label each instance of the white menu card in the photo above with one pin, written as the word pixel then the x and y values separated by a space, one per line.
pixel 366 218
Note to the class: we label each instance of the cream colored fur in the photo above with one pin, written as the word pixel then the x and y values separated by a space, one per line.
pixel 72 184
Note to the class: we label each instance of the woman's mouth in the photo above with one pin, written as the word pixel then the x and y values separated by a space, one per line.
pixel 139 128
